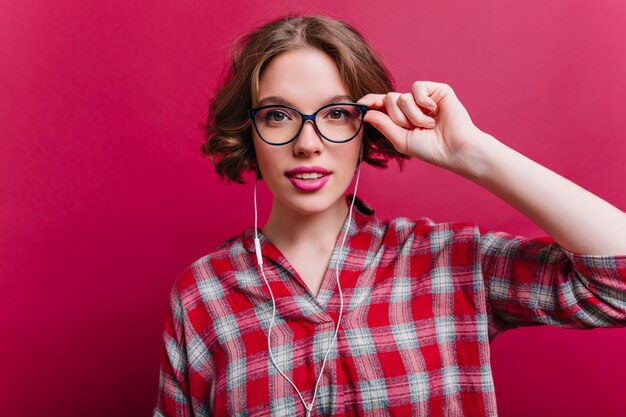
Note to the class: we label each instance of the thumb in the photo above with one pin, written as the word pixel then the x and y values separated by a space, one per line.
pixel 383 123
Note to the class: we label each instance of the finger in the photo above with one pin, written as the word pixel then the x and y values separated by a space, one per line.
pixel 407 104
pixel 394 112
pixel 372 100
pixel 386 126
pixel 422 96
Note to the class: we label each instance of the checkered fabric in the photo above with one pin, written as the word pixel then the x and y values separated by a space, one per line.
pixel 422 302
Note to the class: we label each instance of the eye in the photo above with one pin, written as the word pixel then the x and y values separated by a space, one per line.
pixel 275 116
pixel 341 113
pixel 338 113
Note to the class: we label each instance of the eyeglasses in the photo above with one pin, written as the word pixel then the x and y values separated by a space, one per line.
pixel 335 122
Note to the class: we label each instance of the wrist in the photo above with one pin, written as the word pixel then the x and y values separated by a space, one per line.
pixel 475 160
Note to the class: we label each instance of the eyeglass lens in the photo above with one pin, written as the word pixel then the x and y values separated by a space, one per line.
pixel 281 124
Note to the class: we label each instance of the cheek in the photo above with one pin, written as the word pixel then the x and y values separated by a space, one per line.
pixel 349 160
pixel 259 150
pixel 355 151
pixel 267 158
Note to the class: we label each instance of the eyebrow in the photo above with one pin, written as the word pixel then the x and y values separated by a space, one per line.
pixel 282 100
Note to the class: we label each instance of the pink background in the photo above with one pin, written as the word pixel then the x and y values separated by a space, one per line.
pixel 105 197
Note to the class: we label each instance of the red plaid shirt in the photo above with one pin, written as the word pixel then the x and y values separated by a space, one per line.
pixel 422 301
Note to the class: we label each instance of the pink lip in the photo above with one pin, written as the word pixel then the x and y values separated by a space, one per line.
pixel 303 169
pixel 309 185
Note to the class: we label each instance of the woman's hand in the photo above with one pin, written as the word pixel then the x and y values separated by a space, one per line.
pixel 429 123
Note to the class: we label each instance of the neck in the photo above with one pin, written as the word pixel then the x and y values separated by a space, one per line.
pixel 287 228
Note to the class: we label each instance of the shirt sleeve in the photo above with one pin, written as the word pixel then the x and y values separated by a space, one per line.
pixel 173 398
pixel 536 281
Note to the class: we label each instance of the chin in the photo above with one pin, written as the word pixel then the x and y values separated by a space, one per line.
pixel 308 205
pixel 311 208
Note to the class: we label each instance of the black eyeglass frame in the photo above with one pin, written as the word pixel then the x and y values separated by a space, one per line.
pixel 252 114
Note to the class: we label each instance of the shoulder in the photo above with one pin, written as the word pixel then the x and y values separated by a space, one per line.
pixel 206 278
pixel 401 230
pixel 424 229
pixel 408 237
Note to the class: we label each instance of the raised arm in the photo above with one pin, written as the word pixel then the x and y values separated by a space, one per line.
pixel 431 124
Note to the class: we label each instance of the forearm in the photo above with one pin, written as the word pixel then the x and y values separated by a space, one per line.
pixel 446 137
pixel 577 219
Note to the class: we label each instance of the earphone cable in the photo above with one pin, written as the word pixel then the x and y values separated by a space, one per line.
pixel 257 245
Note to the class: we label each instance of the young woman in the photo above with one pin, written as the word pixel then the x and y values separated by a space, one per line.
pixel 329 310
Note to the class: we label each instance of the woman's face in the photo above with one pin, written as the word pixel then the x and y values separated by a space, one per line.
pixel 305 79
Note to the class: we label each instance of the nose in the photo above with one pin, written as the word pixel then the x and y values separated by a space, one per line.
pixel 308 142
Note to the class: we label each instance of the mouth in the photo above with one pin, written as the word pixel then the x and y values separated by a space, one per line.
pixel 308 175
pixel 308 181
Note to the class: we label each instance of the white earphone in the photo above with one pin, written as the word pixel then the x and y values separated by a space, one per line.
pixel 259 257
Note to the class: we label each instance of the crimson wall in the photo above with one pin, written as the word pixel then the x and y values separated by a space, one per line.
pixel 105 197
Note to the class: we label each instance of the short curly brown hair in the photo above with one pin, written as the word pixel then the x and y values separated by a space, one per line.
pixel 228 136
